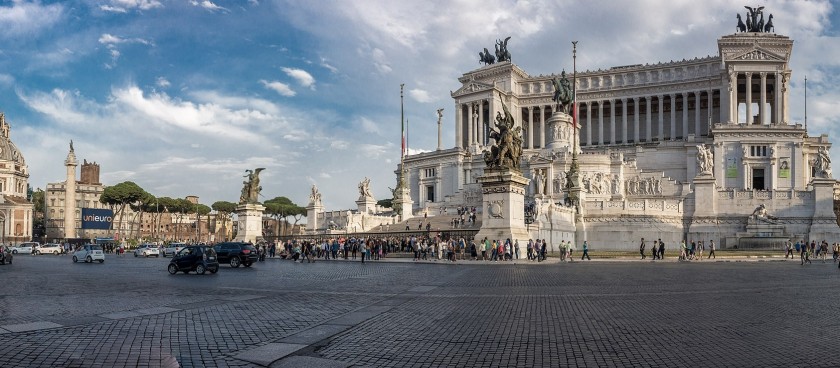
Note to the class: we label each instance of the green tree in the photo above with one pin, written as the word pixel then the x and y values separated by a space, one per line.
pixel 387 203
pixel 39 217
pixel 145 203
pixel 202 210
pixel 119 196
pixel 223 210
pixel 282 207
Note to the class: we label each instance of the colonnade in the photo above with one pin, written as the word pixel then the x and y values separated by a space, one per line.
pixel 662 117
pixel 772 90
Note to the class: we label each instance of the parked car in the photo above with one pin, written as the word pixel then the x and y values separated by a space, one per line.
pixel 173 248
pixel 147 250
pixel 26 248
pixel 51 248
pixel 198 258
pixel 236 253
pixel 5 255
pixel 89 253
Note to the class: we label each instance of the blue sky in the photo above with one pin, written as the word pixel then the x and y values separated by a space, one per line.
pixel 182 96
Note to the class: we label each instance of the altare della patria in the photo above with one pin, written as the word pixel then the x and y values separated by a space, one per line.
pixel 701 149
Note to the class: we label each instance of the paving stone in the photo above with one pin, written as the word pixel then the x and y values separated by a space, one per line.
pixel 266 354
pixel 314 334
pixel 32 326
pixel 308 362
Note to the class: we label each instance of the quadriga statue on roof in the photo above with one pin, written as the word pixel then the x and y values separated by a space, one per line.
pixel 505 153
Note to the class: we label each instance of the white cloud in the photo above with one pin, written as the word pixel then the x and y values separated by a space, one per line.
pixel 279 87
pixel 123 6
pixel 162 82
pixel 301 76
pixel 110 41
pixel 207 4
pixel 23 19
pixel 328 66
pixel 339 144
pixel 420 95
pixel 369 126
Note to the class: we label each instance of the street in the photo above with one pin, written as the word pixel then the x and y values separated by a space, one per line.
pixel 130 312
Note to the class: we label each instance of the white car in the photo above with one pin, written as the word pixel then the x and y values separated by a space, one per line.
pixel 25 248
pixel 147 250
pixel 89 253
pixel 51 248
pixel 173 248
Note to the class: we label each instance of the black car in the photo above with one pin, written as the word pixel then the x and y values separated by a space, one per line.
pixel 236 253
pixel 198 258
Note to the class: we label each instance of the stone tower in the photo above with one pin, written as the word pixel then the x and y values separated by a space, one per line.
pixel 70 195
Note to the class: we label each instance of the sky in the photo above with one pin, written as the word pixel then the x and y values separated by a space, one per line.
pixel 182 96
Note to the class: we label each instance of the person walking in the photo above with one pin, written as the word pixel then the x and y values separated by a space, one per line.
pixel 712 249
pixel 530 249
pixel 789 250
pixel 484 245
pixel 585 251
pixel 542 251
pixel 363 250
pixel 642 249
pixel 803 255
pixel 661 250
pixel 516 248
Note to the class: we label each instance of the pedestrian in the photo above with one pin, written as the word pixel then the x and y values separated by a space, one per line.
pixel 712 249
pixel 836 251
pixel 653 251
pixel 542 251
pixel 661 250
pixel 683 250
pixel 803 255
pixel 789 250
pixel 473 251
pixel 642 249
pixel 516 248
pixel 484 245
pixel 495 251
pixel 530 251
pixel 585 252
pixel 363 250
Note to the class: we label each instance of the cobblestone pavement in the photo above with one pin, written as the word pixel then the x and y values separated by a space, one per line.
pixel 129 312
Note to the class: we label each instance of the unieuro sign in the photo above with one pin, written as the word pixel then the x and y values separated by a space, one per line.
pixel 96 218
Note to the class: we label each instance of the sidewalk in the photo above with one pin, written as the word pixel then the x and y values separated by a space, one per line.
pixel 556 260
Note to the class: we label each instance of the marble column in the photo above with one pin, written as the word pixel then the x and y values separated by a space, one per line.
pixel 698 103
pixel 635 120
pixel 601 122
pixel 661 117
pixel 685 116
pixel 624 120
pixel 774 113
pixel 673 116
pixel 749 98
pixel 785 115
pixel 648 120
pixel 471 126
pixel 542 127
pixel 530 127
pixel 733 97
pixel 481 123
pixel 762 99
pixel 711 101
pixel 589 123
pixel 612 121
pixel 459 112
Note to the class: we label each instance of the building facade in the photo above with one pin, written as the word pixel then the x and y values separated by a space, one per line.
pixel 16 210
pixel 641 133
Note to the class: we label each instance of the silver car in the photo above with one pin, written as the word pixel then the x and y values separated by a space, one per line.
pixel 147 250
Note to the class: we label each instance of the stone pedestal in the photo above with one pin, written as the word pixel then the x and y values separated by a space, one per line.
pixel 312 212
pixel 704 226
pixel 561 132
pixel 366 205
pixel 405 203
pixel 249 218
pixel 503 215
pixel 824 223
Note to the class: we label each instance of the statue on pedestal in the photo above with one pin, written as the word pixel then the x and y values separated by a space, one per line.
pixel 760 215
pixel 507 150
pixel 315 196
pixel 364 188
pixel 251 188
pixel 822 164
pixel 563 94
pixel 705 159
